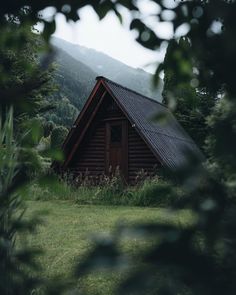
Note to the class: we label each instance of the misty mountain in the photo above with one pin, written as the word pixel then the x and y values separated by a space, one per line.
pixel 104 65
pixel 74 79
pixel 74 82
pixel 76 68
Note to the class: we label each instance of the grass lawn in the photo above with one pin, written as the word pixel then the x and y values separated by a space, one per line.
pixel 67 234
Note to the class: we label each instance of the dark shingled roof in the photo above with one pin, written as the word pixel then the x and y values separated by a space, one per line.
pixel 167 139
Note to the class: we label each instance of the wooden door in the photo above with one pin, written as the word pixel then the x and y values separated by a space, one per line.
pixel 117 147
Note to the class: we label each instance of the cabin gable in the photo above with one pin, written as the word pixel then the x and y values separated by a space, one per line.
pixel 116 129
pixel 99 154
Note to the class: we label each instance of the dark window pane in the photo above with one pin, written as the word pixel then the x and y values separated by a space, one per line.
pixel 116 133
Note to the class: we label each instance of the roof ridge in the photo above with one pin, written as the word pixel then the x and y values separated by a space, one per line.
pixel 131 90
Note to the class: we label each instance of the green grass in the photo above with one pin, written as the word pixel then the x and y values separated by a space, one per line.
pixel 66 235
pixel 149 193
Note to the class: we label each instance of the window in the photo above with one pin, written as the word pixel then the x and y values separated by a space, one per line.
pixel 116 133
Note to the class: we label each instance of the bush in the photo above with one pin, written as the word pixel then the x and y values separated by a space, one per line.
pixel 156 192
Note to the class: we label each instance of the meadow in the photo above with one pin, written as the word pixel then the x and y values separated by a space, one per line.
pixel 68 231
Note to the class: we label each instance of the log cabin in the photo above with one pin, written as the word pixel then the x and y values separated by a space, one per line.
pixel 116 130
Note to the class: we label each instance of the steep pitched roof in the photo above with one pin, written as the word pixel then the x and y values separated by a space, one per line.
pixel 167 140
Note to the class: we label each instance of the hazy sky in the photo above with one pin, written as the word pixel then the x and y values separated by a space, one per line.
pixel 112 38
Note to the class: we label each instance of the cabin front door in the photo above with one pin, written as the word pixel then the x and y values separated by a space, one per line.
pixel 117 148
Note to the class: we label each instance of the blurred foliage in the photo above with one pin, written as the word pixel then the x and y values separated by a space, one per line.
pixel 58 136
pixel 190 104
pixel 24 83
pixel 48 127
pixel 15 263
pixel 200 259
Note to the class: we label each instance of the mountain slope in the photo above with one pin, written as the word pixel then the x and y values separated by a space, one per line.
pixel 104 65
pixel 76 68
pixel 74 81
pixel 74 78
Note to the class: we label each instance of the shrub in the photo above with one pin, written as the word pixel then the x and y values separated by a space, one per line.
pixel 156 192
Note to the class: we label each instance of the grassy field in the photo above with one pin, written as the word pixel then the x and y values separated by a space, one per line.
pixel 67 234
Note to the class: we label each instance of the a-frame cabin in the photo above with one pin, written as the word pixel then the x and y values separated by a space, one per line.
pixel 115 129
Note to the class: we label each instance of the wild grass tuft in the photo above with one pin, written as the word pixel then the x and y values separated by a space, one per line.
pixel 60 190
pixel 152 192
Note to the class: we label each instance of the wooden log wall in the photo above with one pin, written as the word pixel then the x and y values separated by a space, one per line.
pixel 140 157
pixel 89 160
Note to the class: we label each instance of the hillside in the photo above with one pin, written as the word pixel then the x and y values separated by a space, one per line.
pixel 74 78
pixel 74 82
pixel 104 65
pixel 76 68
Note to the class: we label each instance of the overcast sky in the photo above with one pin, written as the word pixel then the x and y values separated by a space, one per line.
pixel 112 38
